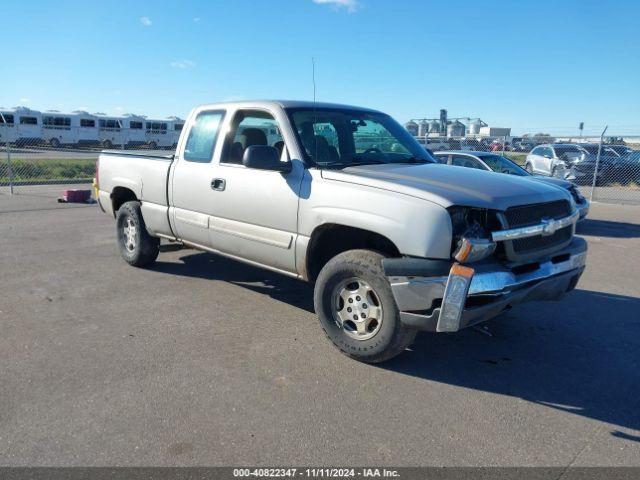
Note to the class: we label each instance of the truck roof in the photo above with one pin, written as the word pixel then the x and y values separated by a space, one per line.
pixel 287 104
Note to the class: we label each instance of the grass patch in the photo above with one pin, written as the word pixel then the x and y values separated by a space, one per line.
pixel 516 157
pixel 48 169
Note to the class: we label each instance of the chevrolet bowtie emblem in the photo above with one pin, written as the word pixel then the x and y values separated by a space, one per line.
pixel 549 226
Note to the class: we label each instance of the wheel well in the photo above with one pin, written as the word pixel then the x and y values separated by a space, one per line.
pixel 121 195
pixel 327 241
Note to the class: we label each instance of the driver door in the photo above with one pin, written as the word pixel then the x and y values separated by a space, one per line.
pixel 254 213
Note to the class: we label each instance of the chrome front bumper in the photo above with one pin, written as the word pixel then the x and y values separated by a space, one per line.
pixel 493 288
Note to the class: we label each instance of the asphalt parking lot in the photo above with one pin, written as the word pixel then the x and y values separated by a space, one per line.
pixel 204 361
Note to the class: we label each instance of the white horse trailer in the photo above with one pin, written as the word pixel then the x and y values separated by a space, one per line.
pixel 20 125
pixel 159 133
pixel 76 128
pixel 110 131
pixel 178 125
pixel 134 128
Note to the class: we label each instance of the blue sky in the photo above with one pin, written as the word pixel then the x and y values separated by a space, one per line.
pixel 543 65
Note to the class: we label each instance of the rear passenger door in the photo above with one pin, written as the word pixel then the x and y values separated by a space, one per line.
pixel 537 158
pixel 192 198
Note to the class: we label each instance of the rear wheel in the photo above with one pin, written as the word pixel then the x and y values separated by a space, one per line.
pixel 54 142
pixel 356 308
pixel 137 247
pixel 107 144
pixel 153 145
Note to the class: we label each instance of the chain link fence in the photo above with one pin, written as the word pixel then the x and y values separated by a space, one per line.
pixel 33 155
pixel 605 169
pixel 46 149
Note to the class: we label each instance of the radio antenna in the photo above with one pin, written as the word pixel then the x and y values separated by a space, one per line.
pixel 313 79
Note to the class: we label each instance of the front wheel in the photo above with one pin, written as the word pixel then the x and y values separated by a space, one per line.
pixel 528 168
pixel 137 247
pixel 356 308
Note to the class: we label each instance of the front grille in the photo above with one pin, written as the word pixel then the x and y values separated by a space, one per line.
pixel 526 215
pixel 529 244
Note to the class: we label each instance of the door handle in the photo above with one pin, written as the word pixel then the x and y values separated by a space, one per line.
pixel 218 184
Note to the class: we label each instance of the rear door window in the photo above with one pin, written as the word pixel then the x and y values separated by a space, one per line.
pixel 202 137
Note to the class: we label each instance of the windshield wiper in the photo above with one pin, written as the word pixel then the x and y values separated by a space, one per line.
pixel 413 160
pixel 351 164
pixel 367 161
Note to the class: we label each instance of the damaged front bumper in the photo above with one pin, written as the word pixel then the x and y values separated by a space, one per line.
pixel 438 296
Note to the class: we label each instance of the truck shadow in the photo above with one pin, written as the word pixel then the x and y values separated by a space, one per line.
pixel 214 267
pixel 580 356
pixel 606 228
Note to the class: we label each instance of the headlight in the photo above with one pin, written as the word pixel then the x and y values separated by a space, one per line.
pixel 575 193
pixel 473 249
pixel 470 241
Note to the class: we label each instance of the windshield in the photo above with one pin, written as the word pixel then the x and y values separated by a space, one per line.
pixel 338 138
pixel 501 164
pixel 620 149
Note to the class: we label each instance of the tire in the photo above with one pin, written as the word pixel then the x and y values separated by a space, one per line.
pixel 54 142
pixel 107 144
pixel 137 247
pixel 153 145
pixel 528 168
pixel 380 336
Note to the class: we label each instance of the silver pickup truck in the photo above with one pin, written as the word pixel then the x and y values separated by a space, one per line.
pixel 346 198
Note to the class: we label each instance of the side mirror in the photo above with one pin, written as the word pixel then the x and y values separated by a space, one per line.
pixel 264 157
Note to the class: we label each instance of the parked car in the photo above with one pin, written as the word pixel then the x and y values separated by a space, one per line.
pixel 626 169
pixel 620 150
pixel 606 151
pixel 566 160
pixel 497 146
pixel 497 163
pixel 521 147
pixel 393 241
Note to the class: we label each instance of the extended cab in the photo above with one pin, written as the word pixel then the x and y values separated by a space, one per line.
pixel 346 198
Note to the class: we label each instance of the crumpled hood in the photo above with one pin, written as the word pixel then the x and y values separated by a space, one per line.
pixel 449 185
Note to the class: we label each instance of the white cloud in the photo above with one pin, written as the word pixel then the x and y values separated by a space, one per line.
pixel 183 64
pixel 196 19
pixel 146 21
pixel 25 100
pixel 350 6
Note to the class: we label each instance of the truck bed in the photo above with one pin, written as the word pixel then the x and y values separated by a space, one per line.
pixel 146 176
pixel 128 169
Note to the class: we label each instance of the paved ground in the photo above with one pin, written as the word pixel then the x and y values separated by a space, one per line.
pixel 203 361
